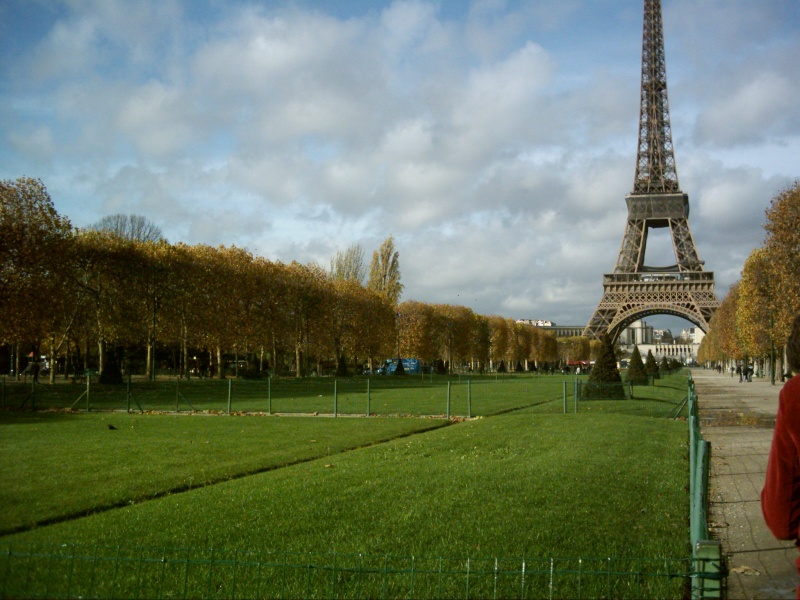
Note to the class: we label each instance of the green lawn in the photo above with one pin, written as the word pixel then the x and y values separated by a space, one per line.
pixel 474 395
pixel 57 465
pixel 542 487
pixel 411 395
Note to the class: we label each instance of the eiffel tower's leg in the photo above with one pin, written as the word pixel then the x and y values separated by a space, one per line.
pixel 685 251
pixel 631 252
pixel 603 316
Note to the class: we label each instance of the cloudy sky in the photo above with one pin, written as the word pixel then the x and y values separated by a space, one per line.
pixel 495 140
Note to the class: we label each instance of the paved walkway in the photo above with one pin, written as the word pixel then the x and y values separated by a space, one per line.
pixel 738 420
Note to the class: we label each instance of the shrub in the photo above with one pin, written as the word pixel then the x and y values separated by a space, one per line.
pixel 651 367
pixel 605 381
pixel 637 374
pixel 664 366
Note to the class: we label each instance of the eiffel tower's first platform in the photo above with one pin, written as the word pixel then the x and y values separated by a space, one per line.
pixel 634 290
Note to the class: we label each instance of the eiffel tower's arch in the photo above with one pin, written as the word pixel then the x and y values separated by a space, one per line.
pixel 630 313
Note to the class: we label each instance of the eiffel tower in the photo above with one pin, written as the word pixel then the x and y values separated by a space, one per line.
pixel 633 290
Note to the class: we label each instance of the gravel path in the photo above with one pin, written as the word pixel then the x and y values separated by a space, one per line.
pixel 738 419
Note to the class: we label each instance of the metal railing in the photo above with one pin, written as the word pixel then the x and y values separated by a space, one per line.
pixel 709 568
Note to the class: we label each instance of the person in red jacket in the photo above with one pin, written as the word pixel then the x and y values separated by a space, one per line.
pixel 780 498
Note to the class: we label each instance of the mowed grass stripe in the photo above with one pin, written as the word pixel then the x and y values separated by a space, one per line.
pixel 591 485
pixel 56 466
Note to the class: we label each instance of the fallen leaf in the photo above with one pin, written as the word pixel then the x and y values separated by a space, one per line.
pixel 745 570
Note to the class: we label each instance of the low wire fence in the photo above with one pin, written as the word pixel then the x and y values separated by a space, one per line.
pixel 73 571
pixel 445 397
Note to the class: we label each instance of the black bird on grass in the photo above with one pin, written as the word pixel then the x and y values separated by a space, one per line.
pixel 110 426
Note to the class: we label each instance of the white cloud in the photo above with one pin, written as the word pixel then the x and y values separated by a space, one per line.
pixel 35 142
pixel 757 109
pixel 495 140
pixel 157 120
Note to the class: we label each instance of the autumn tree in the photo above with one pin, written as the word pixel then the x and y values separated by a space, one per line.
pixel 500 340
pixel 305 302
pixel 574 348
pixel 481 343
pixel 218 300
pixel 344 321
pixel 418 331
pixel 105 269
pixel 754 320
pixel 348 265
pixel 595 348
pixel 34 243
pixel 782 248
pixel 375 327
pixel 545 347
pixel 724 322
pixel 271 323
pixel 454 332
pixel 384 271
pixel 135 228
pixel 155 287
pixel 522 345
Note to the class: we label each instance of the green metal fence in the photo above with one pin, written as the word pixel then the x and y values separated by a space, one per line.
pixel 706 552
pixel 438 396
pixel 70 571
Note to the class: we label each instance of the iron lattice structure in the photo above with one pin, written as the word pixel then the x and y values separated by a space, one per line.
pixel 634 290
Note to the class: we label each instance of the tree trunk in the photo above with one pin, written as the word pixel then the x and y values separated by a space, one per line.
pixel 101 352
pixel 52 377
pixel 66 361
pixel 274 356
pixel 185 349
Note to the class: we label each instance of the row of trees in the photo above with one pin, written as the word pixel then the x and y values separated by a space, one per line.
pixel 753 321
pixel 117 295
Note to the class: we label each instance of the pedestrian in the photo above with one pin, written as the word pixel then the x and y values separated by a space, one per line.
pixel 780 498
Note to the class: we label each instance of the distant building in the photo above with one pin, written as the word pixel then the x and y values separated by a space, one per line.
pixel 658 341
pixel 638 333
pixel 558 330
pixel 537 322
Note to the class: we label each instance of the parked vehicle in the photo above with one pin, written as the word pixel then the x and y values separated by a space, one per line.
pixel 412 366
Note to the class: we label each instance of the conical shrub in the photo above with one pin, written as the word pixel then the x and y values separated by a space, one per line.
pixel 637 374
pixel 605 381
pixel 651 366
